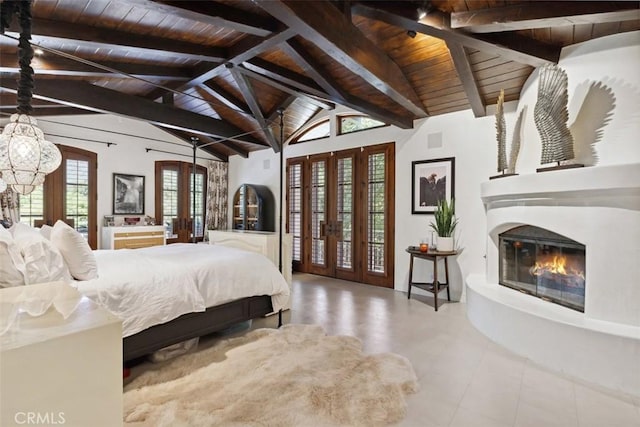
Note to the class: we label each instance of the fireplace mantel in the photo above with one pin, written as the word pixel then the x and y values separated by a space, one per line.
pixel 598 207
pixel 618 184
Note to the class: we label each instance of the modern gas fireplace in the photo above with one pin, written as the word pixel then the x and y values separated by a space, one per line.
pixel 544 264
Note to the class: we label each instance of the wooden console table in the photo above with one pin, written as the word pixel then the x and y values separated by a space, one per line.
pixel 436 286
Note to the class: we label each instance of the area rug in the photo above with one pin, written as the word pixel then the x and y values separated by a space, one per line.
pixel 292 376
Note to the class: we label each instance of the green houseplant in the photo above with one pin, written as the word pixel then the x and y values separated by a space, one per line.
pixel 445 224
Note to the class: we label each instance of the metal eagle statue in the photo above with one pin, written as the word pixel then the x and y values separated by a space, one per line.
pixel 551 115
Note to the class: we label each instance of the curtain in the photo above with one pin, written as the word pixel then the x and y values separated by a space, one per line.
pixel 9 207
pixel 217 195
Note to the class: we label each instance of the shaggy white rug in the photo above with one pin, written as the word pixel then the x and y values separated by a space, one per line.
pixel 292 376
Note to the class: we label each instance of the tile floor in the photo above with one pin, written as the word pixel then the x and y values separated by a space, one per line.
pixel 465 379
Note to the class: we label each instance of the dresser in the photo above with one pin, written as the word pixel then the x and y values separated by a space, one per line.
pixel 132 237
pixel 264 242
pixel 56 370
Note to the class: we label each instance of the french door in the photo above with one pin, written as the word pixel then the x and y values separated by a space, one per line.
pixel 341 214
pixel 69 193
pixel 174 200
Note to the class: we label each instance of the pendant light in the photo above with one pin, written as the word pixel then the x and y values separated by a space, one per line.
pixel 25 155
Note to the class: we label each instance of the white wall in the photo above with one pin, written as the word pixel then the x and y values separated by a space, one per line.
pixel 614 61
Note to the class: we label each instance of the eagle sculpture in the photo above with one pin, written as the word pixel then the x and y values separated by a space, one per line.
pixel 551 115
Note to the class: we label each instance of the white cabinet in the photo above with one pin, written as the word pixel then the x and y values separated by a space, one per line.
pixel 132 237
pixel 264 242
pixel 56 370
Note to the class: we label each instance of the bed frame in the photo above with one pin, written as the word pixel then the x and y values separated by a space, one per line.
pixel 192 325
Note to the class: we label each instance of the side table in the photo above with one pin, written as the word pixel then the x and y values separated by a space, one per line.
pixel 436 286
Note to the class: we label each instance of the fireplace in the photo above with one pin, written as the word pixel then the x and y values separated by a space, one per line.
pixel 543 264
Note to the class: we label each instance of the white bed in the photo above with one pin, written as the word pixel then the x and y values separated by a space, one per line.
pixel 151 286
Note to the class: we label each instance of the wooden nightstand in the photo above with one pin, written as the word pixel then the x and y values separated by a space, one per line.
pixel 435 287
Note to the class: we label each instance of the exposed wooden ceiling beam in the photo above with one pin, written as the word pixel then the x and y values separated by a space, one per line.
pixel 215 14
pixel 57 66
pixel 233 147
pixel 465 73
pixel 88 36
pixel 325 105
pixel 286 76
pixel 544 14
pixel 274 114
pixel 296 51
pixel 245 49
pixel 186 137
pixel 251 99
pixel 322 24
pixel 225 97
pixel 87 96
pixel 436 24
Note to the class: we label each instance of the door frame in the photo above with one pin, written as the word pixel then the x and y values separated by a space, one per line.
pixel 360 211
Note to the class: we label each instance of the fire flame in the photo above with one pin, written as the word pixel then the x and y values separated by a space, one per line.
pixel 555 265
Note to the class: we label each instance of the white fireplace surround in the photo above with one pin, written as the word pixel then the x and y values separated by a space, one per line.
pixel 600 208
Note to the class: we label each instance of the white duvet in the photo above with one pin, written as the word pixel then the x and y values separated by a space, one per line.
pixel 149 286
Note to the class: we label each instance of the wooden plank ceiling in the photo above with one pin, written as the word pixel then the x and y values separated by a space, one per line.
pixel 222 70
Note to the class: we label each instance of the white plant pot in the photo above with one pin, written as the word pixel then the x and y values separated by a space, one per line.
pixel 445 244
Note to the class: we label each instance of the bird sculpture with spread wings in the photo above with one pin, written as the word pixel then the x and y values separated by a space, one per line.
pixel 551 115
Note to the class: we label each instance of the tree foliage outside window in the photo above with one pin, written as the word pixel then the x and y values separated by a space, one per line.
pixel 348 124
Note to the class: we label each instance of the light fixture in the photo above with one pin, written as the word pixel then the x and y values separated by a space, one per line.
pixel 25 156
pixel 423 10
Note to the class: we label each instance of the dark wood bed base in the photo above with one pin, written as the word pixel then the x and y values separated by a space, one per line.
pixel 193 325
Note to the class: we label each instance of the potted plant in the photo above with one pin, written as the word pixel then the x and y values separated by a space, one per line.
pixel 445 224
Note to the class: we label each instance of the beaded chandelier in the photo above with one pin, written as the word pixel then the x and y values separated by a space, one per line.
pixel 25 156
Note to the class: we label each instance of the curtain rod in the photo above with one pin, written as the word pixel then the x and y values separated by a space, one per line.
pixel 183 155
pixel 108 144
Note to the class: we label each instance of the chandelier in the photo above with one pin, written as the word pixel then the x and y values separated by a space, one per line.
pixel 25 156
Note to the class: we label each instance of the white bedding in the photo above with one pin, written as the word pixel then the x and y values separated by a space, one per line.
pixel 149 286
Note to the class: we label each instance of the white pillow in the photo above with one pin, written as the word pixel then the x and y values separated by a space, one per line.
pixel 45 230
pixel 42 261
pixel 75 251
pixel 11 262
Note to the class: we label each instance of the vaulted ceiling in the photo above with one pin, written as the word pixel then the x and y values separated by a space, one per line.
pixel 222 70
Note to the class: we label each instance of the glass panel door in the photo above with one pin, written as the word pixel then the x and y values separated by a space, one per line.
pixel 294 219
pixel 318 215
pixel 341 213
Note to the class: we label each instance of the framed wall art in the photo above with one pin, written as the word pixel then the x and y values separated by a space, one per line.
pixel 128 194
pixel 431 181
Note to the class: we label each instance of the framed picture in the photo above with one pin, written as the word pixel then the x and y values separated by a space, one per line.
pixel 128 194
pixel 431 181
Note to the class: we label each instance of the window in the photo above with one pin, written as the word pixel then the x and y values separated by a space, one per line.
pixel 77 195
pixel 355 123
pixel 317 131
pixel 68 193
pixel 174 200
pixel 294 195
pixel 32 206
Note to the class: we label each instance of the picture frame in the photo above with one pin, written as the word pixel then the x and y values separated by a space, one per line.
pixel 431 181
pixel 128 194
